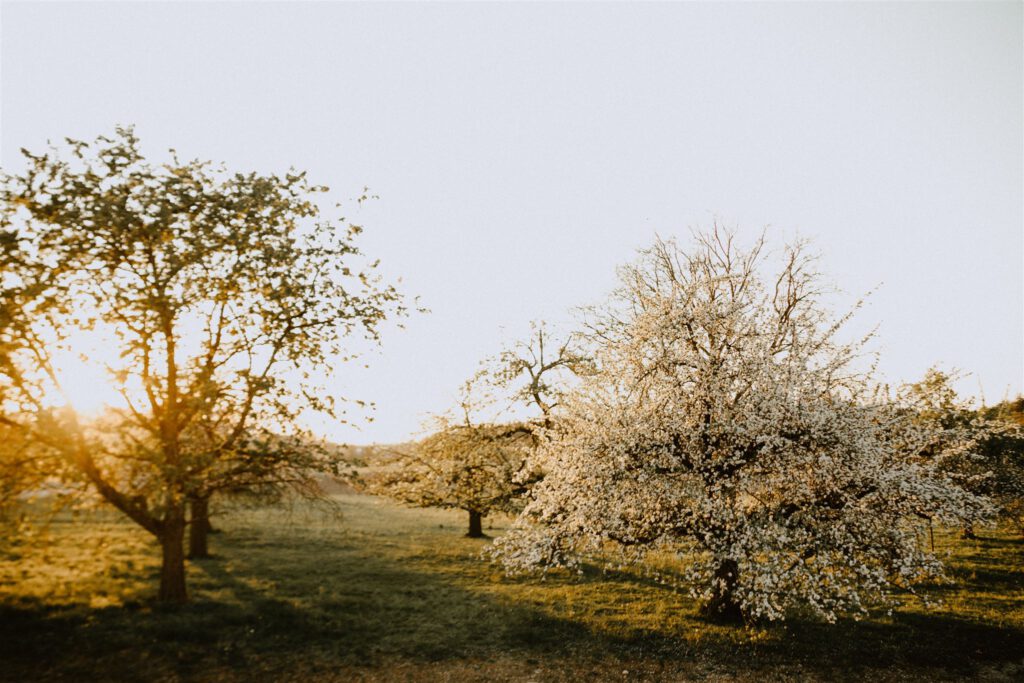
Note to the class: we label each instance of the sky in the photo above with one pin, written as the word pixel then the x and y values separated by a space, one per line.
pixel 522 151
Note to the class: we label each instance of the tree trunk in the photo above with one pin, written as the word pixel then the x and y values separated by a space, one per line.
pixel 476 525
pixel 199 527
pixel 172 571
pixel 723 605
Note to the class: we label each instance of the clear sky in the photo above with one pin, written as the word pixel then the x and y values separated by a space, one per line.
pixel 522 151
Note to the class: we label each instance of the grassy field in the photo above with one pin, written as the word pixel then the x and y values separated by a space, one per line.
pixel 375 592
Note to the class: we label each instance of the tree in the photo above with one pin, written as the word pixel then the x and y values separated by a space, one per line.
pixel 964 444
pixel 228 297
pixel 464 464
pixel 264 466
pixel 537 371
pixel 727 423
pixel 483 466
pixel 20 475
pixel 1003 454
pixel 25 467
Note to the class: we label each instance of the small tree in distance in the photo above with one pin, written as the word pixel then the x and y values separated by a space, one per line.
pixel 483 466
pixel 229 299
pixel 477 467
pixel 726 422
pixel 1004 454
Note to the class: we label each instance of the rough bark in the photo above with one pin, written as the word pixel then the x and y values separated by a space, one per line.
pixel 476 525
pixel 172 570
pixel 723 605
pixel 199 528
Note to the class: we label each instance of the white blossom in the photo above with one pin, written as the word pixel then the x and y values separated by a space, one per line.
pixel 724 421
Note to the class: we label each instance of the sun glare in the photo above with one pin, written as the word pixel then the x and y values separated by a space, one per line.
pixel 85 384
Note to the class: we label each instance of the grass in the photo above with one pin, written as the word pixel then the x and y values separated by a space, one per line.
pixel 384 593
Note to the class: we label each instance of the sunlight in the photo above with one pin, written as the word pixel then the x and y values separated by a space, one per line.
pixel 84 383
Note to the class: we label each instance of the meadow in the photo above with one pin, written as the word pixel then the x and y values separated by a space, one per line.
pixel 366 590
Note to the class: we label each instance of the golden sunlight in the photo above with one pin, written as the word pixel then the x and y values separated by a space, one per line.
pixel 83 380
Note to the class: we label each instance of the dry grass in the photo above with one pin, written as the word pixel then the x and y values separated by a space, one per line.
pixel 384 593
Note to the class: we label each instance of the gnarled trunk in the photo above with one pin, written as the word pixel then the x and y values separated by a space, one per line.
pixel 476 525
pixel 723 605
pixel 172 569
pixel 199 527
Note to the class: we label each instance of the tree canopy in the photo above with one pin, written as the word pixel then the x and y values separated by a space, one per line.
pixel 229 298
pixel 464 463
pixel 727 422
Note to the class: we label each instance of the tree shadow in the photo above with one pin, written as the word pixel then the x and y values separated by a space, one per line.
pixel 906 640
pixel 915 637
pixel 242 620
pixel 273 609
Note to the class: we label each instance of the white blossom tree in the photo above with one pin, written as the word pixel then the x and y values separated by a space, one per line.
pixel 726 422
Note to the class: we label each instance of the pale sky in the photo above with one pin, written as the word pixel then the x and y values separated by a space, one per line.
pixel 522 151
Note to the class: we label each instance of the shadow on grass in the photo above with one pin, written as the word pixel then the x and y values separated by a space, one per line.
pixel 905 641
pixel 279 599
pixel 368 611
pixel 371 610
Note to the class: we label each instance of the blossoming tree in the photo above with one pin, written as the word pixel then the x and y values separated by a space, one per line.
pixel 981 448
pixel 726 422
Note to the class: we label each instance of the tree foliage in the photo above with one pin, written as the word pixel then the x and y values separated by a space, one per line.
pixel 229 298
pixel 479 467
pixel 982 449
pixel 728 423
pixel 1002 455
pixel 484 465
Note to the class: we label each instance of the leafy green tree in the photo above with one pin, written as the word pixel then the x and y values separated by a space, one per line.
pixel 229 297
